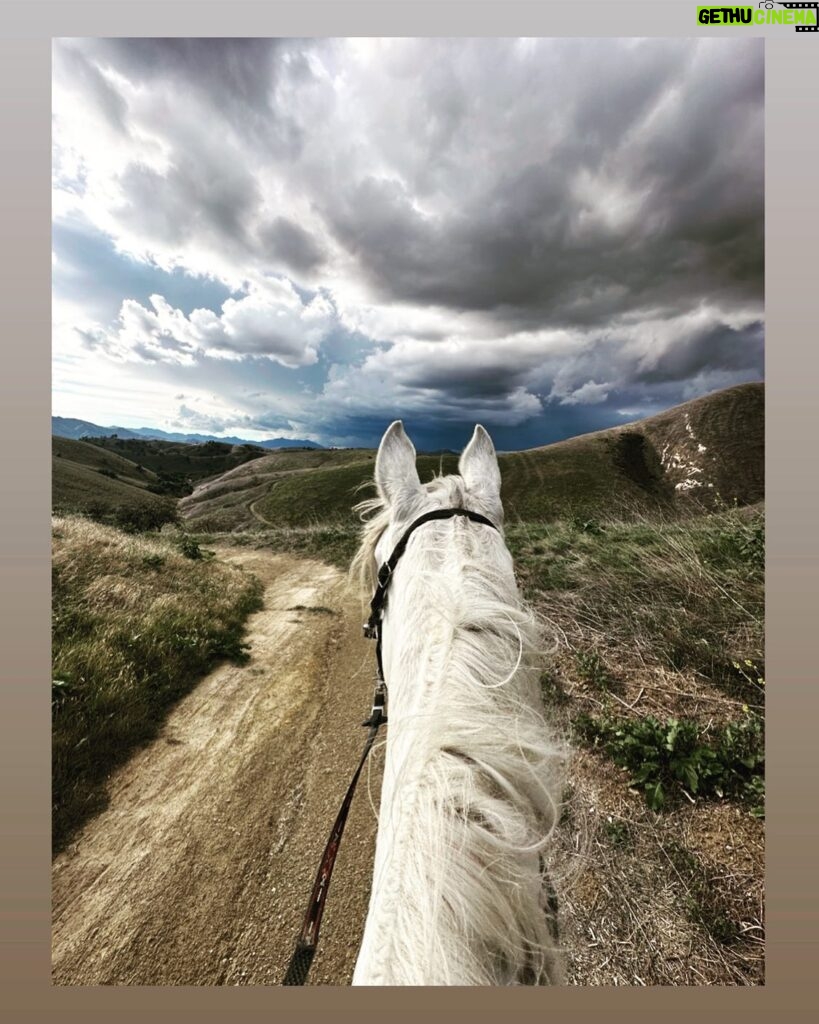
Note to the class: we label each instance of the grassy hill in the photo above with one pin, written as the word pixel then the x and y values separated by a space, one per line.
pixel 102 484
pixel 722 434
pixel 84 454
pixel 701 453
pixel 231 502
pixel 176 460
pixel 694 455
pixel 102 475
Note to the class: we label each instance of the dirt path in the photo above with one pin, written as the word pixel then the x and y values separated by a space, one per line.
pixel 257 515
pixel 199 871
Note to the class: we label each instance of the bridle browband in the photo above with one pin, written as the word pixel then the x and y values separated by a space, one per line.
pixel 307 940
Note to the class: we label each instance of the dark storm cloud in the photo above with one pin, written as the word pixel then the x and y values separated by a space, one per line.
pixel 544 182
pixel 646 189
pixel 202 200
pixel 285 241
pixel 718 349
pixel 235 78
pixel 539 232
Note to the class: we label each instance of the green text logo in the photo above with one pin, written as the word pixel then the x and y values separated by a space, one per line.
pixel 801 15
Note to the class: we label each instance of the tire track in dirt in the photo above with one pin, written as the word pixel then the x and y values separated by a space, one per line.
pixel 199 870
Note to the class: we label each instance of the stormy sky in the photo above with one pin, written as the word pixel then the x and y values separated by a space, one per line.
pixel 311 238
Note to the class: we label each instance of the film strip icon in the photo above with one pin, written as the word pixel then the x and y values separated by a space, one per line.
pixel 799 7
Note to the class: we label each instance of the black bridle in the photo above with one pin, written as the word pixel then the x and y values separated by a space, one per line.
pixel 307 939
pixel 372 627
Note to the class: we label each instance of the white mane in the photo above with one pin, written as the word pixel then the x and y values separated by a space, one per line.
pixel 472 773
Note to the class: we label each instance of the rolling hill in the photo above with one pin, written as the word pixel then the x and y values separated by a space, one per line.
pixel 101 475
pixel 88 479
pixel 708 450
pixel 229 502
pixel 179 460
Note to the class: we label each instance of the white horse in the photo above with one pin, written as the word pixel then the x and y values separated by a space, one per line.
pixel 472 773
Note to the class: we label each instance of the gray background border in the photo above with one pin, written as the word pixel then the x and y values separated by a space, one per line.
pixel 793 711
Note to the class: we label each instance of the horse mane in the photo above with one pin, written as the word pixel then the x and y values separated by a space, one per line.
pixel 375 518
pixel 479 772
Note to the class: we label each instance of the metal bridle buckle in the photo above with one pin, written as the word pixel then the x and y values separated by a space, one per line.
pixel 378 716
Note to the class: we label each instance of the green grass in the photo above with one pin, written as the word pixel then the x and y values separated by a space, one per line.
pixel 687 594
pixel 328 494
pixel 136 622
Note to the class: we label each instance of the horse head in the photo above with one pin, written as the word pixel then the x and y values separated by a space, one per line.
pixel 403 497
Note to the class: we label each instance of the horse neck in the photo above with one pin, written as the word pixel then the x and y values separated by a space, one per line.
pixel 446 590
pixel 465 748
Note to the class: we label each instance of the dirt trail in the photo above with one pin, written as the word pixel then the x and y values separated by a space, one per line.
pixel 199 870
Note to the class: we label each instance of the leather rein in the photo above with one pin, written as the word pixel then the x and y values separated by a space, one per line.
pixel 307 940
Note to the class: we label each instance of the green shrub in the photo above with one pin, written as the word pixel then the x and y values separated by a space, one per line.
pixel 662 756
pixel 189 547
pixel 619 833
pixel 142 518
pixel 593 669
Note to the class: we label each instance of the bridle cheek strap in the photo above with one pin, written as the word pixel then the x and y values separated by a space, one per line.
pixel 371 626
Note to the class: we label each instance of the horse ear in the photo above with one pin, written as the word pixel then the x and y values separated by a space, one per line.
pixel 478 465
pixel 395 474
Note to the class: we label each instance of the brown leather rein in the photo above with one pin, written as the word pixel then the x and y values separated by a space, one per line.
pixel 307 939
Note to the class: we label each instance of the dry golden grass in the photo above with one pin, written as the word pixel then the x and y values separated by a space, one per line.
pixel 649 620
pixel 135 624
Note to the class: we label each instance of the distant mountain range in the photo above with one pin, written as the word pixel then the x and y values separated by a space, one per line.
pixel 62 426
